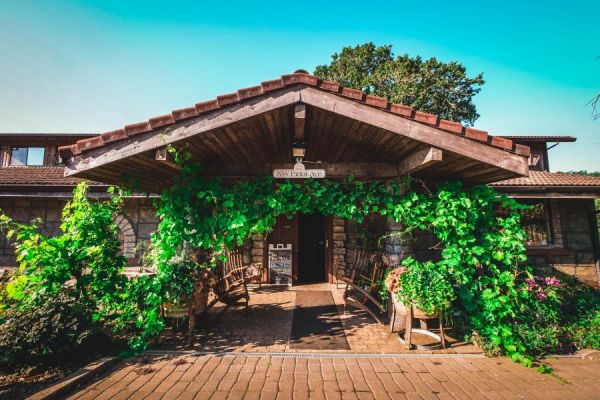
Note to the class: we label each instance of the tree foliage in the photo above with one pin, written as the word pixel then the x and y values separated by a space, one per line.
pixel 429 85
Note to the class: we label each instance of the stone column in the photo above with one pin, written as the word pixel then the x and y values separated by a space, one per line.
pixel 339 248
pixel 398 246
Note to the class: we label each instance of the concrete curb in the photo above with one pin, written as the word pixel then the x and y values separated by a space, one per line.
pixel 85 374
pixel 307 355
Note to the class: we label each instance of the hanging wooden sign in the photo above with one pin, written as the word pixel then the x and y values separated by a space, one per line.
pixel 299 172
pixel 280 264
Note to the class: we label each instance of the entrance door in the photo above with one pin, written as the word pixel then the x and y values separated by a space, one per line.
pixel 312 248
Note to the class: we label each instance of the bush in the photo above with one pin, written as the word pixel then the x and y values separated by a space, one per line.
pixel 562 316
pixel 580 312
pixel 52 328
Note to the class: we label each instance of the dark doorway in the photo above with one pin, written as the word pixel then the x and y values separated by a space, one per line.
pixel 311 247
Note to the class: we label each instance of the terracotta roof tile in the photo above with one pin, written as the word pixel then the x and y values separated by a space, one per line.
pixel 184 113
pixel 476 134
pixel 403 110
pixel 544 178
pixel 252 91
pixel 162 120
pixel 43 176
pixel 226 99
pixel 427 118
pixel 298 77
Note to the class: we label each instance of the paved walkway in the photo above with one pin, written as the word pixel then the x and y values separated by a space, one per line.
pixel 268 325
pixel 247 376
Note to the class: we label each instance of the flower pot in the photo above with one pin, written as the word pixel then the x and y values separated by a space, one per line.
pixel 421 314
pixel 201 299
pixel 176 310
pixel 397 312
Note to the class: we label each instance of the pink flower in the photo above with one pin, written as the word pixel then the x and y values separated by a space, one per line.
pixel 552 281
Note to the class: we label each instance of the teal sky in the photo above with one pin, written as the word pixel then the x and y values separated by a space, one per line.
pixel 94 66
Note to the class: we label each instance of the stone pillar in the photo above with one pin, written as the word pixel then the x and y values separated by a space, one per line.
pixel 257 248
pixel 398 246
pixel 255 256
pixel 339 248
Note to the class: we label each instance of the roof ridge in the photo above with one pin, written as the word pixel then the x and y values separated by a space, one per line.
pixel 300 77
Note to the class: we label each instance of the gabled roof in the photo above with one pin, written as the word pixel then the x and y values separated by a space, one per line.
pixel 253 130
pixel 556 179
pixel 299 77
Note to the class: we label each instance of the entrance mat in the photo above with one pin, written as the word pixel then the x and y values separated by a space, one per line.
pixel 316 324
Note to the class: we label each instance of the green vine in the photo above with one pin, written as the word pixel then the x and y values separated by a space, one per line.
pixel 482 255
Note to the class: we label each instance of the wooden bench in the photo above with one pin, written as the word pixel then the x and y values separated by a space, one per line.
pixel 362 286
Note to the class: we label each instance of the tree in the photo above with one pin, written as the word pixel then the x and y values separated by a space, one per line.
pixel 429 85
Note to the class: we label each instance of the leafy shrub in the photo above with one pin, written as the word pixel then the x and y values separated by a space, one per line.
pixel 54 327
pixel 580 315
pixel 426 286
pixel 67 285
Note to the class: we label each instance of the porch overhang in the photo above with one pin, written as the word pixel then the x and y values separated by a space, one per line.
pixel 344 131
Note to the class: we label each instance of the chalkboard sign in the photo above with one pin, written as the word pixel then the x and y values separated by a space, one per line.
pixel 280 264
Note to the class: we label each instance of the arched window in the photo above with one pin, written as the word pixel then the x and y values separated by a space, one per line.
pixel 126 236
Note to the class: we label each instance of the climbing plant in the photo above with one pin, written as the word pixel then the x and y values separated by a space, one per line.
pixel 483 254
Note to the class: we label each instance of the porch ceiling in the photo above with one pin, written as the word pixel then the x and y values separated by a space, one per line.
pixel 253 136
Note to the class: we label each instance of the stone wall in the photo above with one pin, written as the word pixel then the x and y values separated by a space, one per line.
pixel 136 223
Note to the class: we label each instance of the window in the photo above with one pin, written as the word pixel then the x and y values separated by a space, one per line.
pixel 27 156
pixel 535 222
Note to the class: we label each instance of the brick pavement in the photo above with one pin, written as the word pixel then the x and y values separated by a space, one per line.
pixel 244 376
pixel 268 325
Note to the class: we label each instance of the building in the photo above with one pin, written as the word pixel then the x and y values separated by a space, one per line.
pixel 254 130
pixel 33 185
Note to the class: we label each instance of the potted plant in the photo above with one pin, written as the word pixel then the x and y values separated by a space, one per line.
pixel 425 287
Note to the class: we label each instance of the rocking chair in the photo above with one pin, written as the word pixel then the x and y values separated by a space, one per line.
pixel 361 286
pixel 231 288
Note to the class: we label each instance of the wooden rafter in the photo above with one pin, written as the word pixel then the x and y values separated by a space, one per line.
pixel 420 160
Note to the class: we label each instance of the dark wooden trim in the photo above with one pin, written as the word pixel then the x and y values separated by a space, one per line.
pixel 547 251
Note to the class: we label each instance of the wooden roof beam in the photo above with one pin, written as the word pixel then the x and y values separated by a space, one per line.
pixel 332 170
pixel 420 160
pixel 299 122
pixel 165 158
